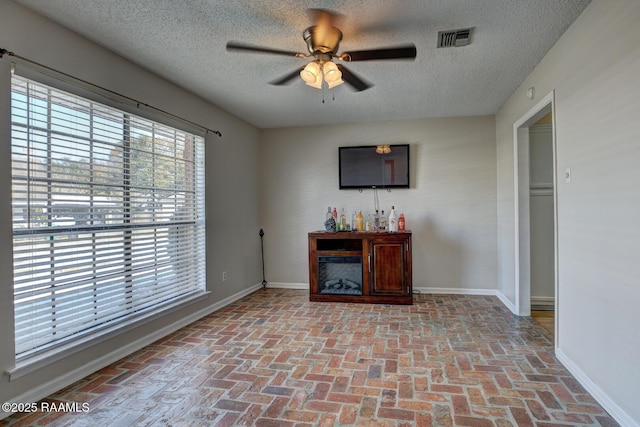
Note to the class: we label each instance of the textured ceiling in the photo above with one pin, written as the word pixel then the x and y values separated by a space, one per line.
pixel 184 42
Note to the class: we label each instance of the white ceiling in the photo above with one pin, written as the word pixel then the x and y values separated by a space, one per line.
pixel 184 42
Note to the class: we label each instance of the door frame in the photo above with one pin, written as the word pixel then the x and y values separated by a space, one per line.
pixel 522 267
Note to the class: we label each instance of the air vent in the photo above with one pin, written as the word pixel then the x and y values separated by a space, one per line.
pixel 454 38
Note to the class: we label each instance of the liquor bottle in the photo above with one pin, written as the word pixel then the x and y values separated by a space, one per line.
pixel 343 220
pixel 368 225
pixel 393 224
pixel 383 221
pixel 335 214
pixel 330 223
pixel 354 221
pixel 376 221
pixel 360 221
pixel 401 224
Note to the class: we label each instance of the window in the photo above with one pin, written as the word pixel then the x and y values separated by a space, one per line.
pixel 108 217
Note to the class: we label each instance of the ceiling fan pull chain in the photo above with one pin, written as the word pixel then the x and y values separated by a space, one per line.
pixel 375 199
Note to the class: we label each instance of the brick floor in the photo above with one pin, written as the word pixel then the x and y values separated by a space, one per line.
pixel 275 359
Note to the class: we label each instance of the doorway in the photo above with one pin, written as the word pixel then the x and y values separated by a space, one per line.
pixel 529 189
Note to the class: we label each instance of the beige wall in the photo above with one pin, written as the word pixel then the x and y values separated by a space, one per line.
pixel 593 70
pixel 450 207
pixel 231 183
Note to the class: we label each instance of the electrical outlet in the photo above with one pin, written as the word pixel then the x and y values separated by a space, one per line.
pixel 225 276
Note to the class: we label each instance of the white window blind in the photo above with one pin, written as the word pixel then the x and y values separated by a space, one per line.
pixel 108 216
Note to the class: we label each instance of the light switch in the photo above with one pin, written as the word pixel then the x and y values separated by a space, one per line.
pixel 567 175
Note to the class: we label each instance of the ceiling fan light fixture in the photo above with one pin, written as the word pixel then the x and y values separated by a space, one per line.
pixel 332 75
pixel 335 83
pixel 311 73
pixel 316 84
pixel 383 149
pixel 331 72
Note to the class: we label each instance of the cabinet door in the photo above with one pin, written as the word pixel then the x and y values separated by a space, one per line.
pixel 388 266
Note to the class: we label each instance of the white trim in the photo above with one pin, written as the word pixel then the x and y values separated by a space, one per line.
pixel 521 213
pixel 418 290
pixel 506 302
pixel 286 285
pixel 46 389
pixel 455 291
pixel 609 405
pixel 521 272
pixel 546 301
pixel 452 291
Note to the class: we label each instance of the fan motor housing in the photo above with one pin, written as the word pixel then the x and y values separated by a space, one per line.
pixel 323 39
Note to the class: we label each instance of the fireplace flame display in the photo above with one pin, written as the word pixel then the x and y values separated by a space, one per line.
pixel 341 286
pixel 340 275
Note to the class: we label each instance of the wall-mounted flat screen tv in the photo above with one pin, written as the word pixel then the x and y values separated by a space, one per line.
pixel 380 166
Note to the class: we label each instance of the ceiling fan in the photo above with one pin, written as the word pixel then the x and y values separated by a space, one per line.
pixel 323 40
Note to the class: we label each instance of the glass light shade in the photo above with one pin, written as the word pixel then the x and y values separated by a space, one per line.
pixel 331 85
pixel 317 83
pixel 331 72
pixel 332 75
pixel 311 73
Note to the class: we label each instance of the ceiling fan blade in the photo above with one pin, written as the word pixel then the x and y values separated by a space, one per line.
pixel 355 81
pixel 287 78
pixel 398 52
pixel 232 45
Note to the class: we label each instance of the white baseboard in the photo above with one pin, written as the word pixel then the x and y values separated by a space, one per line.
pixel 619 414
pixel 543 302
pixel 454 291
pixel 48 388
pixel 477 291
pixel 506 302
pixel 421 290
pixel 287 285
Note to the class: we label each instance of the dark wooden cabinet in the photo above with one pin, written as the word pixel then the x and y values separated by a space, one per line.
pixel 368 267
pixel 390 266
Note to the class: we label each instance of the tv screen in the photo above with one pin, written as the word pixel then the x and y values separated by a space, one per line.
pixel 380 166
